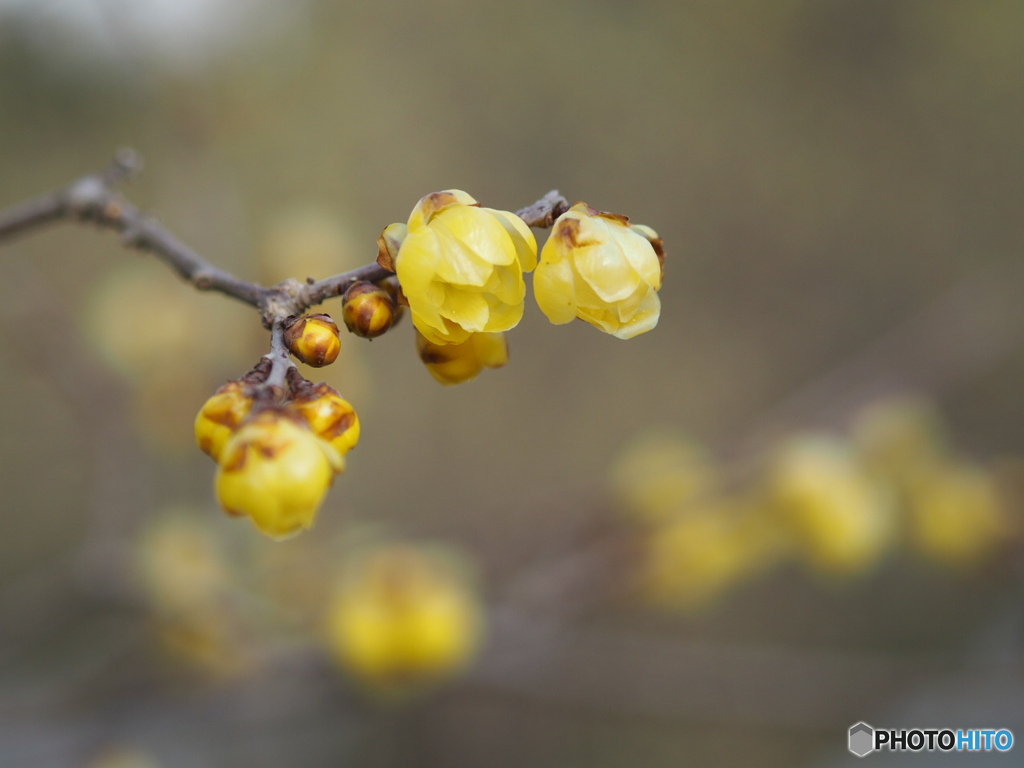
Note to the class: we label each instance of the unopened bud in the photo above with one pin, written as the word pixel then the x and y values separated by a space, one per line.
pixel 368 309
pixel 220 417
pixel 277 472
pixel 314 340
pixel 330 417
pixel 388 244
pixel 394 290
pixel 456 363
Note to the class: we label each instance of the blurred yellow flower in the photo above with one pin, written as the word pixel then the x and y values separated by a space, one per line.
pixel 456 363
pixel 955 513
pixel 122 757
pixel 188 582
pixel 656 475
pixel 404 616
pixel 277 472
pixel 898 436
pixel 461 267
pixel 182 566
pixel 842 519
pixel 597 267
pixel 692 559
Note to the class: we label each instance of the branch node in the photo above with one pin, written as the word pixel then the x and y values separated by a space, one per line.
pixel 204 279
pixel 87 196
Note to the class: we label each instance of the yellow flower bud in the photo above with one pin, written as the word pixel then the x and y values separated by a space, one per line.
pixel 330 416
pixel 368 309
pixel 841 518
pixel 456 363
pixel 461 267
pixel 596 267
pixel 398 299
pixel 220 416
pixel 389 243
pixel 402 617
pixel 314 340
pixel 276 472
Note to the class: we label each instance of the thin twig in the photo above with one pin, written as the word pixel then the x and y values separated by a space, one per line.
pixel 95 198
pixel 280 361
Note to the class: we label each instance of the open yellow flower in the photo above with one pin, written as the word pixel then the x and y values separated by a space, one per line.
pixel 597 267
pixel 461 267
pixel 456 363
pixel 277 472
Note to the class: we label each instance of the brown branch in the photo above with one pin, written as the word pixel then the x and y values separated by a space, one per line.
pixel 95 198
pixel 542 214
pixel 317 292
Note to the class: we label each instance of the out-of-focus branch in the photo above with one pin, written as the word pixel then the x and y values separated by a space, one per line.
pixel 94 198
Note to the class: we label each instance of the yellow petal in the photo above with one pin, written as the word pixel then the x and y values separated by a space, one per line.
pixel 554 288
pixel 522 237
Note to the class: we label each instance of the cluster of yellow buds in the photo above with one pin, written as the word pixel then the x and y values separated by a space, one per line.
pixel 836 503
pixel 276 457
pixel 461 269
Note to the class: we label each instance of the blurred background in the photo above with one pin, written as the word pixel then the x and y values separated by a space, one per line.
pixel 793 506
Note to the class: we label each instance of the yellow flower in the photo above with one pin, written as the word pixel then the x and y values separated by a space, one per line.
pixel 955 513
pixel 404 616
pixel 841 518
pixel 597 267
pixel 461 267
pixel 276 472
pixel 659 474
pixel 695 557
pixel 456 363
pixel 220 416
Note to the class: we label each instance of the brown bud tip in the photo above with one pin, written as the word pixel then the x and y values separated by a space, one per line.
pixel 368 310
pixel 389 243
pixel 313 340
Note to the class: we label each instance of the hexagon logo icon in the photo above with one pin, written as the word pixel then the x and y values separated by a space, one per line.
pixel 862 739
